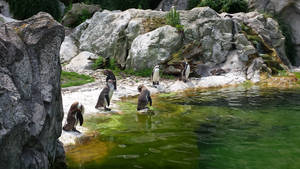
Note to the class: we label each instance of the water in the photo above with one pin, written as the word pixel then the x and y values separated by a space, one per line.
pixel 232 128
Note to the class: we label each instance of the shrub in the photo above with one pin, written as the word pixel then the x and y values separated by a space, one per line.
pixel 229 6
pixel 173 19
pixel 23 9
pixel 98 63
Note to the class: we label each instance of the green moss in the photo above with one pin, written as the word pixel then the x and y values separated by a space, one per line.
pixel 74 79
pixel 247 84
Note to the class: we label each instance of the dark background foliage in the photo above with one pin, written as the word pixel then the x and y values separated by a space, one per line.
pixel 23 9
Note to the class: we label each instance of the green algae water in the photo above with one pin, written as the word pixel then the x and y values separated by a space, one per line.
pixel 232 128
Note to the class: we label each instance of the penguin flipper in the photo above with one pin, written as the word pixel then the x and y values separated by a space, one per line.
pixel 107 100
pixel 150 100
pixel 80 118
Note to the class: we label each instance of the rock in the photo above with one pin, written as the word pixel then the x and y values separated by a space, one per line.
pixel 4 19
pixel 139 39
pixel 31 109
pixel 289 11
pixel 81 62
pixel 166 5
pixel 68 50
pixel 73 17
pixel 153 48
pixel 255 68
pixel 4 9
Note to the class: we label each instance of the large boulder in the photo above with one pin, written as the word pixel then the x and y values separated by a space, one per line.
pixel 31 109
pixel 5 19
pixel 81 62
pixel 289 11
pixel 68 50
pixel 79 11
pixel 153 48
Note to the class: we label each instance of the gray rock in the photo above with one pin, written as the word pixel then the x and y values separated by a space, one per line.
pixel 153 48
pixel 4 9
pixel 78 9
pixel 4 19
pixel 31 110
pixel 68 50
pixel 289 11
pixel 83 61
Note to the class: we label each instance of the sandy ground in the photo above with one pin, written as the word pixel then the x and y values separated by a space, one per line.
pixel 88 94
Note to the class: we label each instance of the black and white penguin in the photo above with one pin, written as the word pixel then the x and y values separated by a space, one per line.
pixel 75 114
pixel 186 71
pixel 105 95
pixel 144 98
pixel 155 75
pixel 110 75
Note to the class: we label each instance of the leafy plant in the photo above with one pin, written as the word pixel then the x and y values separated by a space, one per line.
pixel 172 18
pixel 98 63
pixel 74 79
pixel 193 3
pixel 85 14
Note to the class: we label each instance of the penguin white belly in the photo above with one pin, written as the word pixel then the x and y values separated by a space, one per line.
pixel 111 92
pixel 156 75
pixel 187 72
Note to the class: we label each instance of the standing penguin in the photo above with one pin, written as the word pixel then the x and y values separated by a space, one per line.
pixel 105 95
pixel 155 75
pixel 186 71
pixel 75 114
pixel 110 75
pixel 144 97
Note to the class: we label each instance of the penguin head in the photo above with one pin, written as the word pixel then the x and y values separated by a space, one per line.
pixel 80 107
pixel 156 67
pixel 110 83
pixel 106 72
pixel 140 88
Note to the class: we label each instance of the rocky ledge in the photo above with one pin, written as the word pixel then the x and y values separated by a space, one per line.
pixel 31 109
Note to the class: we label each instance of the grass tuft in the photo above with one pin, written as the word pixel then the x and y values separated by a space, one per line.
pixel 74 79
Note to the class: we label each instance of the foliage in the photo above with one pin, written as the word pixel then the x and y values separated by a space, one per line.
pixel 126 4
pixel 173 19
pixel 74 79
pixel 193 3
pixel 98 63
pixel 85 14
pixel 23 9
pixel 229 6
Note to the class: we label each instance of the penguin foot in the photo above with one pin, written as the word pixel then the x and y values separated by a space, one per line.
pixel 107 109
pixel 75 130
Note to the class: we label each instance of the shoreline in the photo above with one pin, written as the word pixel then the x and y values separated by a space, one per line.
pixel 127 87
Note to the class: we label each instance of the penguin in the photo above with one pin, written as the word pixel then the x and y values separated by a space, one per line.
pixel 110 75
pixel 186 71
pixel 144 98
pixel 105 95
pixel 155 75
pixel 75 114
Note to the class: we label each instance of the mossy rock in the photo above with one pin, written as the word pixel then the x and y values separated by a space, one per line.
pixel 151 24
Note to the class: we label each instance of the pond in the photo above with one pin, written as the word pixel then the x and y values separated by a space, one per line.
pixel 232 128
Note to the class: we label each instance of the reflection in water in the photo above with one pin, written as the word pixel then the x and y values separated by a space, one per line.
pixel 231 128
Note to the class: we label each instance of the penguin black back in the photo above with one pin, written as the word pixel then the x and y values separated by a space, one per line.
pixel 75 114
pixel 144 97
